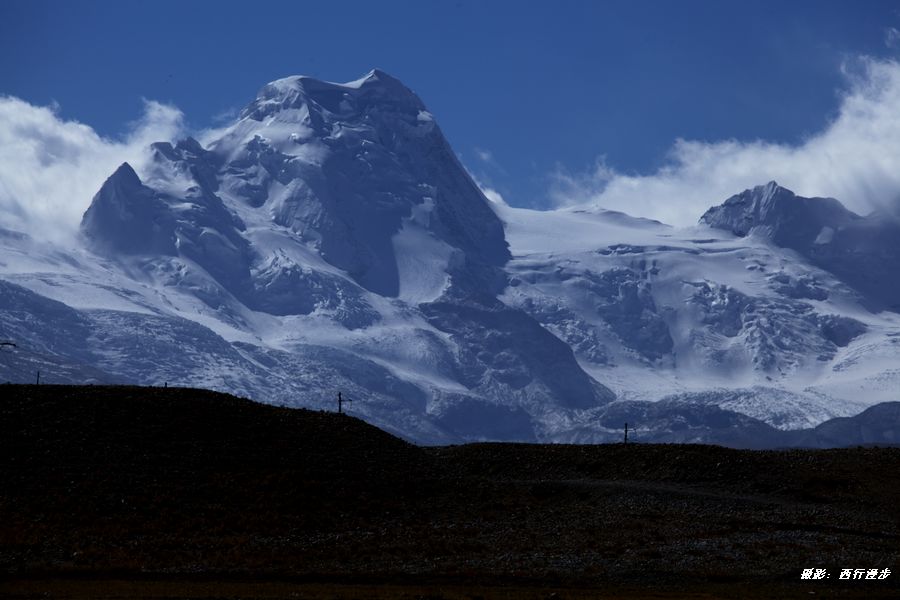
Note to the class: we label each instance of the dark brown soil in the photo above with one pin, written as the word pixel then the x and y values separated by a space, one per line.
pixel 167 493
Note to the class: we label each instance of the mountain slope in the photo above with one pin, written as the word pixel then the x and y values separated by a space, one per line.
pixel 329 240
pixel 864 252
pixel 701 316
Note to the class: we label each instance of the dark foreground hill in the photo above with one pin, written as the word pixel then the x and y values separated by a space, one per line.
pixel 175 493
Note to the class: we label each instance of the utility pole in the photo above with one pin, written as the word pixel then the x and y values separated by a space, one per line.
pixel 626 433
pixel 38 380
pixel 341 403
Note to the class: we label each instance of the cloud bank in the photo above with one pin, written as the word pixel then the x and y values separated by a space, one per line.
pixel 856 159
pixel 50 168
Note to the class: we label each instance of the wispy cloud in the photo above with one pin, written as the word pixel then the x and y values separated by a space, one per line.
pixel 483 179
pixel 226 115
pixel 50 168
pixel 489 192
pixel 493 195
pixel 489 162
pixel 484 155
pixel 892 37
pixel 855 158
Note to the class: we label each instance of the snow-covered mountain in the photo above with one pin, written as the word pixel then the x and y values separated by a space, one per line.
pixel 864 252
pixel 329 240
pixel 704 315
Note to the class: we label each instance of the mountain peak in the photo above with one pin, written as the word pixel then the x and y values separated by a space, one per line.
pixel 778 213
pixel 375 76
pixel 124 176
pixel 297 91
pixel 126 216
pixel 770 191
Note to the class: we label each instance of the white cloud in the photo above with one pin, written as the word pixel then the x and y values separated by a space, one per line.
pixel 493 195
pixel 490 193
pixel 50 168
pixel 856 158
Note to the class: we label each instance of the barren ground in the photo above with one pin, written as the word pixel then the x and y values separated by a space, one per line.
pixel 121 492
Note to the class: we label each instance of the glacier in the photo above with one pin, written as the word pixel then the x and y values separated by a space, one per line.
pixel 330 240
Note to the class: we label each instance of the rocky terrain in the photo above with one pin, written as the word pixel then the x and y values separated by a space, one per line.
pixel 159 493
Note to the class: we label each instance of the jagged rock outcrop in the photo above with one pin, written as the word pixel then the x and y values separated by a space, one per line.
pixel 863 251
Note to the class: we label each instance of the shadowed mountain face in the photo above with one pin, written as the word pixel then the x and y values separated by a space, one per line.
pixel 128 217
pixel 863 251
pixel 789 220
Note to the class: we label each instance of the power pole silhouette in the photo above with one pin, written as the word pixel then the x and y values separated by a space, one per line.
pixel 626 433
pixel 341 403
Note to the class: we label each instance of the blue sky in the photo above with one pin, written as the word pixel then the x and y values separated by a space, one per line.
pixel 536 97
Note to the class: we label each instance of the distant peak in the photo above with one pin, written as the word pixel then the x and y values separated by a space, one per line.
pixel 191 145
pixel 125 175
pixel 767 190
pixel 297 90
pixel 760 195
pixel 785 216
pixel 378 79
pixel 286 85
pixel 375 76
pixel 772 187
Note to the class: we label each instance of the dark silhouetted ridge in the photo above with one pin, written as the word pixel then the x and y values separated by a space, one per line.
pixel 144 429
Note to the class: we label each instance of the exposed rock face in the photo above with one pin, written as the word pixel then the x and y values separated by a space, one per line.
pixel 127 217
pixel 863 251
pixel 789 220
